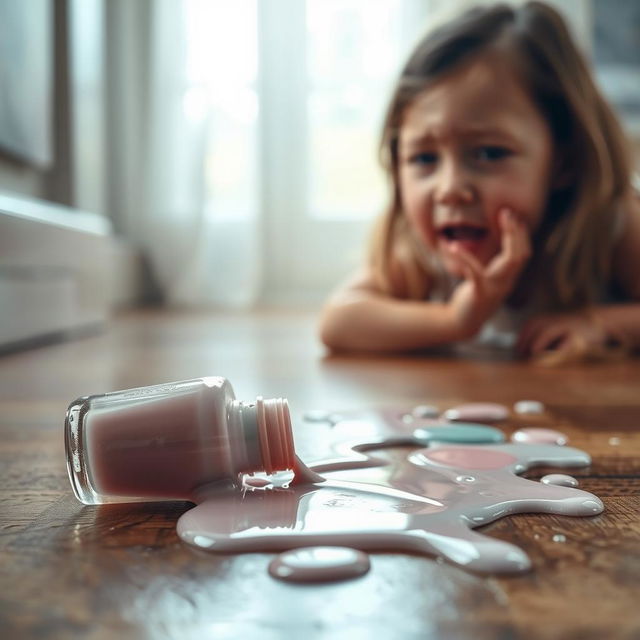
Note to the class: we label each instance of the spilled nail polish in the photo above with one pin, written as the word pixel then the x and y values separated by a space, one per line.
pixel 426 502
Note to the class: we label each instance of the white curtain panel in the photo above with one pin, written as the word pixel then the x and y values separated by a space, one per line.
pixel 198 258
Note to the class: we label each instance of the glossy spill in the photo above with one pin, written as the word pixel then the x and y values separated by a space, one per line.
pixel 319 564
pixel 357 434
pixel 425 501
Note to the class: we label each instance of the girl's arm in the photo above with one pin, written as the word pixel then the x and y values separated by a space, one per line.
pixel 605 324
pixel 361 317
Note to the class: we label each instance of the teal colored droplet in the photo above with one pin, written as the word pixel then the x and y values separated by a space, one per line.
pixel 466 432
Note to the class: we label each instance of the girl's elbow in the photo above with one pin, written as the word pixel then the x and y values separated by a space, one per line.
pixel 329 331
pixel 333 329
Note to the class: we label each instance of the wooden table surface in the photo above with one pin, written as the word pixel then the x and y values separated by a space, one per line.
pixel 73 571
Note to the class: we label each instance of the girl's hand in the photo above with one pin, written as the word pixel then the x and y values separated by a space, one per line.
pixel 565 336
pixel 485 287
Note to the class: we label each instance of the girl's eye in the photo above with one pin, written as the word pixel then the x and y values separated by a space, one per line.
pixel 423 159
pixel 491 153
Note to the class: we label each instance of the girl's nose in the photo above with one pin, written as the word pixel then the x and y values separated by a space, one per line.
pixel 454 186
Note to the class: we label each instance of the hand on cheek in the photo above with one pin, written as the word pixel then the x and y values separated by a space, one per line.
pixel 515 247
pixel 485 287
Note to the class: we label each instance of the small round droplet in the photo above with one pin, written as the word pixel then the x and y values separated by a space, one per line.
pixel 466 479
pixel 319 564
pixel 534 435
pixel 559 537
pixel 614 441
pixel 528 407
pixel 560 480
pixel 478 412
pixel 425 411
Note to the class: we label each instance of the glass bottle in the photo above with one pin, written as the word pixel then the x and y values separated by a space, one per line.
pixel 169 440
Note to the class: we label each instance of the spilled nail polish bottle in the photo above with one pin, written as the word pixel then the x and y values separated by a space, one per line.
pixel 166 441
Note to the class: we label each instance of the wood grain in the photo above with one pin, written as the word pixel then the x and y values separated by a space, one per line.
pixel 120 571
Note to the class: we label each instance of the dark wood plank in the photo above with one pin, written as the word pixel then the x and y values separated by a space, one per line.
pixel 70 571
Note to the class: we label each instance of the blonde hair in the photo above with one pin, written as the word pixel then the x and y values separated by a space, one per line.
pixel 572 247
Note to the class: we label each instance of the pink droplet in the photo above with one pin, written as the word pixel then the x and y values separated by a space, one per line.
pixel 478 412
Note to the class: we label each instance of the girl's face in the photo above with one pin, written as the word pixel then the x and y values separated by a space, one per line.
pixel 472 144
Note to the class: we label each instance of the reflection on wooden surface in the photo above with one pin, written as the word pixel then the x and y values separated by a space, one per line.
pixel 120 571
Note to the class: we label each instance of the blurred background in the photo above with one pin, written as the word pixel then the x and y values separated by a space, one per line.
pixel 208 154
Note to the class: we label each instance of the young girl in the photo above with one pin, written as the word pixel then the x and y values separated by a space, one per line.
pixel 512 218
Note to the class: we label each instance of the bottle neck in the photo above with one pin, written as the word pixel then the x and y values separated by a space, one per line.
pixel 261 438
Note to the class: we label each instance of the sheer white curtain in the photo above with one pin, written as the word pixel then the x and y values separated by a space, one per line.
pixel 201 256
pixel 182 148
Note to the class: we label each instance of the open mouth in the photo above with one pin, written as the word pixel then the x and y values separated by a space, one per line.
pixel 462 233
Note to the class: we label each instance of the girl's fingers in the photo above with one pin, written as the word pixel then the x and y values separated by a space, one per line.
pixel 508 230
pixel 536 335
pixel 471 266
pixel 515 245
pixel 550 337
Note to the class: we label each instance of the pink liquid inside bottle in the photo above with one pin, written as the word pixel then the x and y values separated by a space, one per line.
pixel 166 441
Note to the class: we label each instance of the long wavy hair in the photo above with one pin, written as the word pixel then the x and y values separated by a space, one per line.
pixel 573 245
